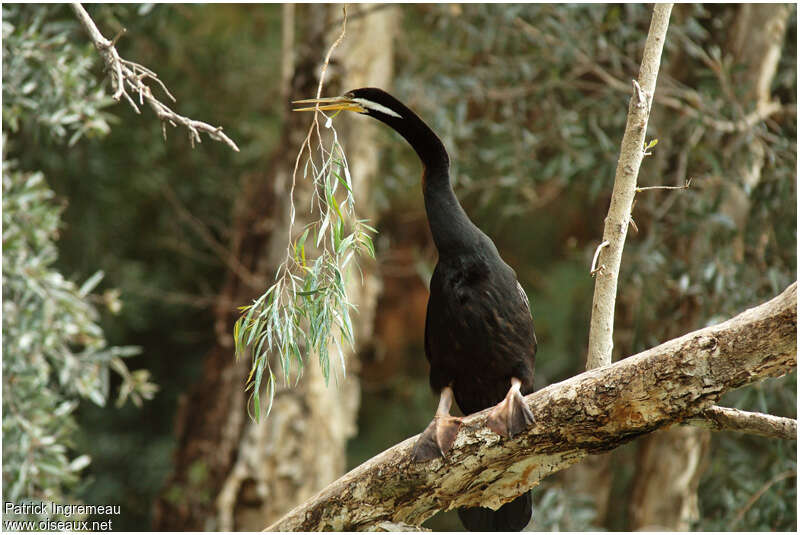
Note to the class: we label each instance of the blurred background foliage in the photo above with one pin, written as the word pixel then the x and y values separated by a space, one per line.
pixel 525 100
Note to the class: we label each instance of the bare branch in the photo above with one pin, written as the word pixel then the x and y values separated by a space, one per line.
pixel 124 72
pixel 616 225
pixel 672 97
pixel 224 254
pixel 760 492
pixel 590 413
pixel 754 423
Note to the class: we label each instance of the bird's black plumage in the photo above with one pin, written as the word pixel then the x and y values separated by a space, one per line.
pixel 478 329
pixel 479 334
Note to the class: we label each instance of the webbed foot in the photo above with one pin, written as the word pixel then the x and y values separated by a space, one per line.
pixel 440 434
pixel 511 416
pixel 437 438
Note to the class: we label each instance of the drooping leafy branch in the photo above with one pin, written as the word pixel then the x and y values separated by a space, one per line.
pixel 307 310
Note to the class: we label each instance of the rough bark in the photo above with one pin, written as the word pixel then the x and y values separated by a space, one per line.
pixel 232 473
pixel 660 498
pixel 590 413
pixel 601 328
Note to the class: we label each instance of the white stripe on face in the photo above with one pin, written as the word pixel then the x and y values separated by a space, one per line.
pixel 368 104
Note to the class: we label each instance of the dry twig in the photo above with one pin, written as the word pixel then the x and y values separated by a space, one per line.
pixel 760 492
pixel 314 127
pixel 127 75
pixel 648 188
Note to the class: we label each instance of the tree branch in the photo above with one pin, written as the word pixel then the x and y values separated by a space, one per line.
pixel 754 423
pixel 760 492
pixel 590 413
pixel 222 252
pixel 601 328
pixel 124 72
pixel 686 101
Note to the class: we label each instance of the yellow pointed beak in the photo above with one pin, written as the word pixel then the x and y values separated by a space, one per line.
pixel 329 104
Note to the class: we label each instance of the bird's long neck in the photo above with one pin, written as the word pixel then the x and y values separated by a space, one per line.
pixel 452 230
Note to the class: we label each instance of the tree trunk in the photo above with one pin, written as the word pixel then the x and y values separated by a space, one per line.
pixel 670 463
pixel 231 473
pixel 756 43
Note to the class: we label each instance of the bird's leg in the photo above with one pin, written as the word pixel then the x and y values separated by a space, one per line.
pixel 511 416
pixel 440 434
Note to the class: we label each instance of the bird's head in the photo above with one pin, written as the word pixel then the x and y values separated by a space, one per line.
pixel 382 106
pixel 370 101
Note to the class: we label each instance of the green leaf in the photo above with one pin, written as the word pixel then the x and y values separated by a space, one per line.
pixel 301 245
pixel 332 201
pixel 237 343
pixel 91 283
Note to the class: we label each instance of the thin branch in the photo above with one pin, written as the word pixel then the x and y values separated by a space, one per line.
pixel 200 228
pixel 314 126
pixel 203 302
pixel 763 112
pixel 594 412
pixel 126 73
pixel 616 224
pixel 363 12
pixel 648 188
pixel 679 102
pixel 754 423
pixel 760 492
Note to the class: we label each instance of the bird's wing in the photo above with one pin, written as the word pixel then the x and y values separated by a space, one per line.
pixel 524 298
pixel 530 313
pixel 427 332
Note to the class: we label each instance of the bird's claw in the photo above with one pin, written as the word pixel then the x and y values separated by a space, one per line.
pixel 511 416
pixel 437 438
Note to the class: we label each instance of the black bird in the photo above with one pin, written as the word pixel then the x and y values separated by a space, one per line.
pixel 479 336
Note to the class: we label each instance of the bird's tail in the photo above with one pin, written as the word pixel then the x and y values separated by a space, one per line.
pixel 513 516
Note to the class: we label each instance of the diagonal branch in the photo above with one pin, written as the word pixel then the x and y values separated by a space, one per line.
pixel 760 492
pixel 590 413
pixel 686 101
pixel 127 73
pixel 202 230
